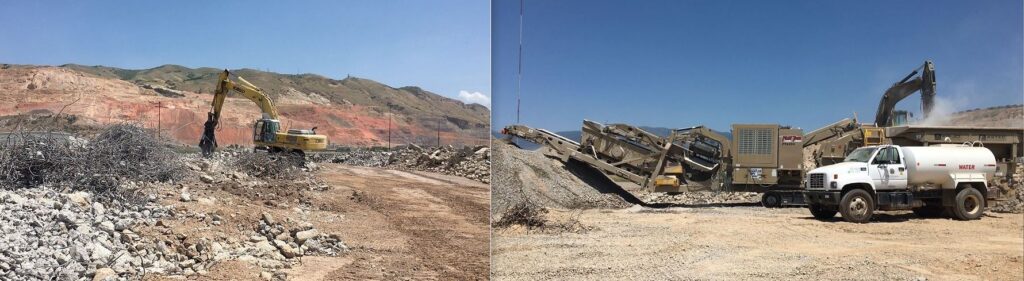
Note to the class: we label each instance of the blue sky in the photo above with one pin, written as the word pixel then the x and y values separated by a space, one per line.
pixel 443 47
pixel 801 63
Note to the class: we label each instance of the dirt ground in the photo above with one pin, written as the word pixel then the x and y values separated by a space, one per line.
pixel 405 225
pixel 398 225
pixel 751 242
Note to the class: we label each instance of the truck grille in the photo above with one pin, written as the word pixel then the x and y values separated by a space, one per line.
pixel 816 181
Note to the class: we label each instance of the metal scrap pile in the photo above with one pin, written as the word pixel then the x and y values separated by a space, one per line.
pixel 118 155
pixel 469 162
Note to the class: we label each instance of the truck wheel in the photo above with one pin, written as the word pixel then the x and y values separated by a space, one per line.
pixel 929 211
pixel 771 200
pixel 822 212
pixel 970 205
pixel 857 206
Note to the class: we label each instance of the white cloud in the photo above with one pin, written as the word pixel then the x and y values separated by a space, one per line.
pixel 475 97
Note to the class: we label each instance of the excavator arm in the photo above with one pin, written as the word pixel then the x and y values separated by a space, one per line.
pixel 924 83
pixel 246 89
pixel 208 142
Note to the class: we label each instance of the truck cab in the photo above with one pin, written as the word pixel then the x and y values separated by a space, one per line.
pixel 931 181
pixel 877 167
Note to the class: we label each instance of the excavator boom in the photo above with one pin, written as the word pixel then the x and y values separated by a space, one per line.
pixel 904 88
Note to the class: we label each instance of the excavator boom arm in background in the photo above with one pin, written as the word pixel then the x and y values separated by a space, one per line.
pixel 909 85
pixel 246 89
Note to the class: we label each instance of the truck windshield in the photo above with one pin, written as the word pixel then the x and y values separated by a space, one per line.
pixel 860 155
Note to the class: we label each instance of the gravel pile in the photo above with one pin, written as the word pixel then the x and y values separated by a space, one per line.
pixel 529 177
pixel 468 162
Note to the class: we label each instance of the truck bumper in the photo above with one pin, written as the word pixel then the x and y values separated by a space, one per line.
pixel 827 198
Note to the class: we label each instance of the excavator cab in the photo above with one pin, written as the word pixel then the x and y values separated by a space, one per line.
pixel 265 130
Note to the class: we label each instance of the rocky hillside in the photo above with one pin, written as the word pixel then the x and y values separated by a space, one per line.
pixel 351 111
pixel 1007 116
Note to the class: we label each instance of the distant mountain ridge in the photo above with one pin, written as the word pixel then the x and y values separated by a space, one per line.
pixel 352 111
pixel 351 90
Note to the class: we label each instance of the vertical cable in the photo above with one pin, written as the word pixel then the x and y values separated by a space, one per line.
pixel 519 79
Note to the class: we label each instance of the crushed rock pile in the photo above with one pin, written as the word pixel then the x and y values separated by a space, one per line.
pixel 529 177
pixel 702 198
pixel 468 162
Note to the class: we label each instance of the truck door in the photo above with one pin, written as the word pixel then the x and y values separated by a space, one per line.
pixel 888 170
pixel 897 170
pixel 878 169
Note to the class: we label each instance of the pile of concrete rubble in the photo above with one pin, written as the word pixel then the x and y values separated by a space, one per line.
pixel 469 162
pixel 68 236
pixel 49 231
pixel 1014 194
pixel 284 243
pixel 235 169
pixel 72 236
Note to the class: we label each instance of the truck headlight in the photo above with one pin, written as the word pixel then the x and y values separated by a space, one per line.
pixel 833 185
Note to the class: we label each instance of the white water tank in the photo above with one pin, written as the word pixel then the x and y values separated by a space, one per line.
pixel 936 165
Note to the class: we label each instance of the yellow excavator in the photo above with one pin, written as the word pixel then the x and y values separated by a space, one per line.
pixel 266 134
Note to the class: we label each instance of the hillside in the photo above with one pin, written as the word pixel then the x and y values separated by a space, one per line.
pixel 1007 116
pixel 351 111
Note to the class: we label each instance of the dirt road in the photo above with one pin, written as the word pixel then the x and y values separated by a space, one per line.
pixel 404 225
pixel 750 242
pixel 397 225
